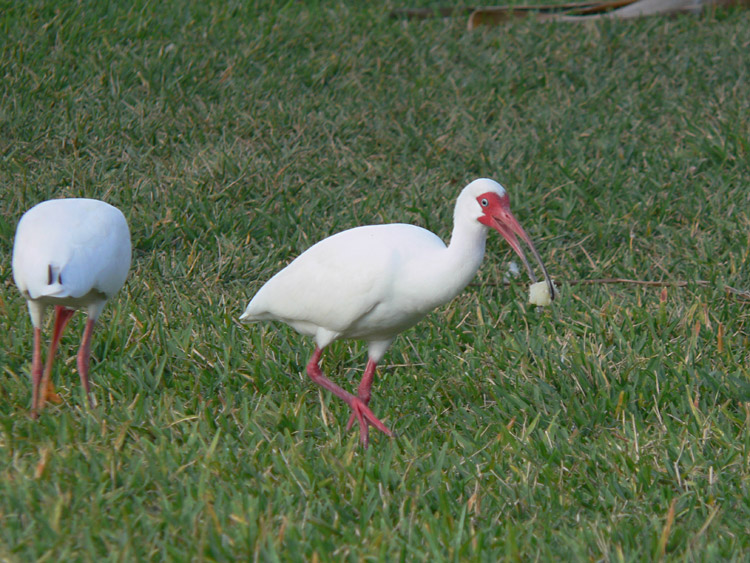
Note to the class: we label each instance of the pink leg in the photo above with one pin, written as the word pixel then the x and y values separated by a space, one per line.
pixel 363 414
pixel 36 372
pixel 62 316
pixel 364 389
pixel 84 355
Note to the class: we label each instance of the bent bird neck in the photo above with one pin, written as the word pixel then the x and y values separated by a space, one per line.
pixel 465 253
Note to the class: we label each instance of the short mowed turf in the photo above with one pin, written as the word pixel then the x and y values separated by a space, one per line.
pixel 611 426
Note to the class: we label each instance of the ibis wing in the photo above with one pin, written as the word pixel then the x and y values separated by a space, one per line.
pixel 341 280
pixel 71 247
pixel 100 256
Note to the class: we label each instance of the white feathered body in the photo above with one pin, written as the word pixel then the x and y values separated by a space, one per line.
pixel 370 282
pixel 71 252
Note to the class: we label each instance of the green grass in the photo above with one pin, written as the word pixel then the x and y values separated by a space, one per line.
pixel 611 426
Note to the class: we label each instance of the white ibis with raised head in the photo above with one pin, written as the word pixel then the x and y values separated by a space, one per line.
pixel 71 254
pixel 370 283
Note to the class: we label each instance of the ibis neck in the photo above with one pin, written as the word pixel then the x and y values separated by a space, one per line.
pixel 466 249
pixel 462 259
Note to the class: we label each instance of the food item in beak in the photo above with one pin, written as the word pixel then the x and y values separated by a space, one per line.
pixel 539 294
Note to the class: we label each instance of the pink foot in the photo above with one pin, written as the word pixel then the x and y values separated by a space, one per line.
pixel 360 411
pixel 49 395
pixel 365 417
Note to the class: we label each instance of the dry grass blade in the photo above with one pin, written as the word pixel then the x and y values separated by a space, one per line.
pixel 742 294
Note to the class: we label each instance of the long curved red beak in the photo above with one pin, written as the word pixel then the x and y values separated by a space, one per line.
pixel 505 223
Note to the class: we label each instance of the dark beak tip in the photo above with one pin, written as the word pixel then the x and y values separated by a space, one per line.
pixel 552 290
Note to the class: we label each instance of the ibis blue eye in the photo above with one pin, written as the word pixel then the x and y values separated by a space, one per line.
pixel 484 202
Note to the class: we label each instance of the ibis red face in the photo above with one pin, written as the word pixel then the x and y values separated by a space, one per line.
pixel 497 215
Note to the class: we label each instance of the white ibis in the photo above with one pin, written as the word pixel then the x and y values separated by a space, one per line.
pixel 71 254
pixel 370 283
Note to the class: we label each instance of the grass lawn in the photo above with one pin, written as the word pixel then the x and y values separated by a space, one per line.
pixel 614 425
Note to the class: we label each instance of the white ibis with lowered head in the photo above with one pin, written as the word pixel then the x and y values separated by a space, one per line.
pixel 370 283
pixel 71 254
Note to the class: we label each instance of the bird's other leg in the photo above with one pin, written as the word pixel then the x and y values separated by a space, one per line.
pixel 363 392
pixel 36 372
pixel 62 316
pixel 363 414
pixel 84 356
